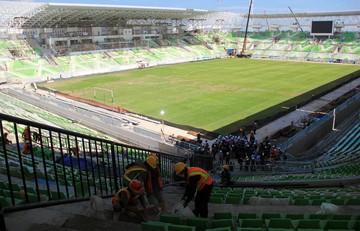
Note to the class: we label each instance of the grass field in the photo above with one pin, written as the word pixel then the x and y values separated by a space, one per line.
pixel 217 95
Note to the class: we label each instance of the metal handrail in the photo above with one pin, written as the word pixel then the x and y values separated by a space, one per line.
pixel 54 171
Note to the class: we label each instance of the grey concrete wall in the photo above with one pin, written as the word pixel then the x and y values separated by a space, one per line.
pixel 315 135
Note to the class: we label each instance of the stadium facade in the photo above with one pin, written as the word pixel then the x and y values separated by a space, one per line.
pixel 48 40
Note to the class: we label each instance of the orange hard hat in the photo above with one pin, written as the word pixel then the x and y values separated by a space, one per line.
pixel 136 186
pixel 152 161
pixel 226 166
pixel 179 167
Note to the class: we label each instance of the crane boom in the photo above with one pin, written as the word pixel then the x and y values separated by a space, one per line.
pixel 296 19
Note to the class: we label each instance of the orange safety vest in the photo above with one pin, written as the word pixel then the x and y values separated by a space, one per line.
pixel 117 199
pixel 133 169
pixel 149 183
pixel 205 178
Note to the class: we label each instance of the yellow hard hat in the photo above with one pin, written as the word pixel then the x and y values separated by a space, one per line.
pixel 179 167
pixel 152 161
pixel 226 166
pixel 152 154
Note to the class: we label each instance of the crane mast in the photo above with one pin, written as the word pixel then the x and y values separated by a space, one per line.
pixel 243 50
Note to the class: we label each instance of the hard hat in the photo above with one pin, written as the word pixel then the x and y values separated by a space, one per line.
pixel 152 154
pixel 136 186
pixel 226 166
pixel 179 167
pixel 152 161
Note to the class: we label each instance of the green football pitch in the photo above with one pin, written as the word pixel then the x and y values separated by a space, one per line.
pixel 216 95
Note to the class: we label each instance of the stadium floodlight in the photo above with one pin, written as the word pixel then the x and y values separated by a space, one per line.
pixel 162 112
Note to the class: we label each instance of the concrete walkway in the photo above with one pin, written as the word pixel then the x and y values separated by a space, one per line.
pixel 76 216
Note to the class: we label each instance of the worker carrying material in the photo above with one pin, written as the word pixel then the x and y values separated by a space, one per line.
pixel 199 182
pixel 153 183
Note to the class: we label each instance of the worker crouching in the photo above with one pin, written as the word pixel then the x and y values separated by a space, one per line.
pixel 128 199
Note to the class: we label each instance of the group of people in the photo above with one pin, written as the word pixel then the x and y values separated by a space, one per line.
pixel 143 181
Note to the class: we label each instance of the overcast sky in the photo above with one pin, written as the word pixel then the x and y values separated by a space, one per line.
pixel 240 6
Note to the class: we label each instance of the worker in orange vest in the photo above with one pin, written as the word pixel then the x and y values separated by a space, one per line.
pixel 153 183
pixel 199 183
pixel 128 199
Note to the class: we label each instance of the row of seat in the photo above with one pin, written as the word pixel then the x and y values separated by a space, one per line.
pixel 293 196
pixel 285 200
pixel 225 221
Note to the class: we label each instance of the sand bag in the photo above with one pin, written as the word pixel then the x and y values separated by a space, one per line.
pixel 179 209
pixel 327 208
pixel 96 207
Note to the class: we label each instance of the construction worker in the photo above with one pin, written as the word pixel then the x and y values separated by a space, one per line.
pixel 26 135
pixel 139 172
pixel 153 182
pixel 225 176
pixel 128 199
pixel 199 182
pixel 134 171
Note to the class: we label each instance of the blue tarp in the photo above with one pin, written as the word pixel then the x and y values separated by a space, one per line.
pixel 76 161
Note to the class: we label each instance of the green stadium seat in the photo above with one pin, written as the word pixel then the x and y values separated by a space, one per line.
pixel 224 215
pixel 33 198
pixel 221 223
pixel 307 224
pixel 279 223
pixel 251 229
pixel 339 201
pixel 247 216
pixel 173 227
pixel 171 218
pixel 251 223
pixel 2 193
pixel 200 223
pixel 4 185
pixel 219 229
pixel 336 224
pixel 5 202
pixel 355 225
pixel 245 199
pixel 216 200
pixel 266 216
pixel 232 200
pixel 295 216
pixel 353 201
pixel 57 196
pixel 30 190
pixel 301 202
pixel 154 226
pixel 310 230
pixel 319 216
pixel 16 187
pixel 342 217
pixel 317 201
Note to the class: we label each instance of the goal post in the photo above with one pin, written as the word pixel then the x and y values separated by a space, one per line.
pixel 106 90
